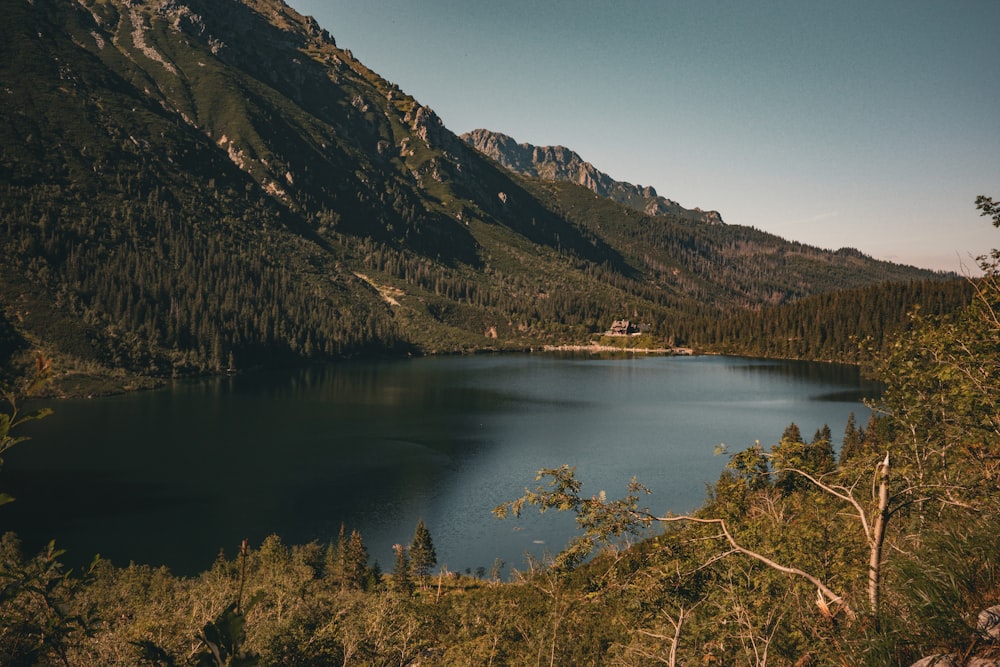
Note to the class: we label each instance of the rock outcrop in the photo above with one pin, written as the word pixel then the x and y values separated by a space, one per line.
pixel 558 163
pixel 988 630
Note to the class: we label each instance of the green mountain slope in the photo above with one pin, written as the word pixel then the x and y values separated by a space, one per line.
pixel 196 186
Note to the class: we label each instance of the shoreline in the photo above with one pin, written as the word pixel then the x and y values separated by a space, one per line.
pixel 595 347
pixel 91 385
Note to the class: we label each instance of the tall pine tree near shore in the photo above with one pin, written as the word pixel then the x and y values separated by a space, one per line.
pixel 422 554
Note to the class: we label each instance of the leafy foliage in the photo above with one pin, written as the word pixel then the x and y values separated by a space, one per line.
pixel 601 521
pixel 38 622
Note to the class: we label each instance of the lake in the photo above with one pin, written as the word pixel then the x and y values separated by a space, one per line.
pixel 170 477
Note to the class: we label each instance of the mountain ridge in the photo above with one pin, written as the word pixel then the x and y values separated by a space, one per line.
pixel 193 186
pixel 552 163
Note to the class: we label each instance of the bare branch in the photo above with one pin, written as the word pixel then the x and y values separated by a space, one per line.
pixel 862 515
pixel 737 547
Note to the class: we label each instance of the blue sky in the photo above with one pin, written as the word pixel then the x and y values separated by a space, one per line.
pixel 865 124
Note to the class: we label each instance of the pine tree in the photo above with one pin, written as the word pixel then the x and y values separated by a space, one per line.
pixel 790 452
pixel 347 561
pixel 819 458
pixel 355 562
pixel 373 577
pixel 334 565
pixel 792 433
pixel 422 554
pixel 401 581
pixel 823 435
pixel 853 438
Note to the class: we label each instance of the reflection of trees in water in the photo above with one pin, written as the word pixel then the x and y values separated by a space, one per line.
pixel 201 464
pixel 856 387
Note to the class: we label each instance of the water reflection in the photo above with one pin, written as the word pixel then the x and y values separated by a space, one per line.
pixel 812 373
pixel 170 477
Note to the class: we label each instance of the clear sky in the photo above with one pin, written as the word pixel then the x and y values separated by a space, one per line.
pixel 835 123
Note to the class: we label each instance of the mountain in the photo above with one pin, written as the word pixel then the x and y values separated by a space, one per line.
pixel 558 163
pixel 194 186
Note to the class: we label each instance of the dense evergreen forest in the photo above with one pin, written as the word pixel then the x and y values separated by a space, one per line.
pixel 881 555
pixel 836 326
pixel 178 198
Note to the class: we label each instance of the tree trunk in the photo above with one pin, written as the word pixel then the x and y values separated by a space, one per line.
pixel 878 537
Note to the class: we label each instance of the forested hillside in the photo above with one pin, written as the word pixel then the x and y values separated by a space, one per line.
pixel 202 187
pixel 841 325
pixel 883 555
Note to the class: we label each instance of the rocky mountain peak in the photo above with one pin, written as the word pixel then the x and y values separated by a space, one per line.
pixel 558 163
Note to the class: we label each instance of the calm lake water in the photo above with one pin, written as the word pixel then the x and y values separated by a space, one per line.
pixel 173 476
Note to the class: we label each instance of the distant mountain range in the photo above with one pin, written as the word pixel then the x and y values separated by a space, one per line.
pixel 195 186
pixel 558 163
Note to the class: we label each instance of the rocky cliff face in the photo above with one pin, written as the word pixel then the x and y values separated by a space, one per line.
pixel 558 163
